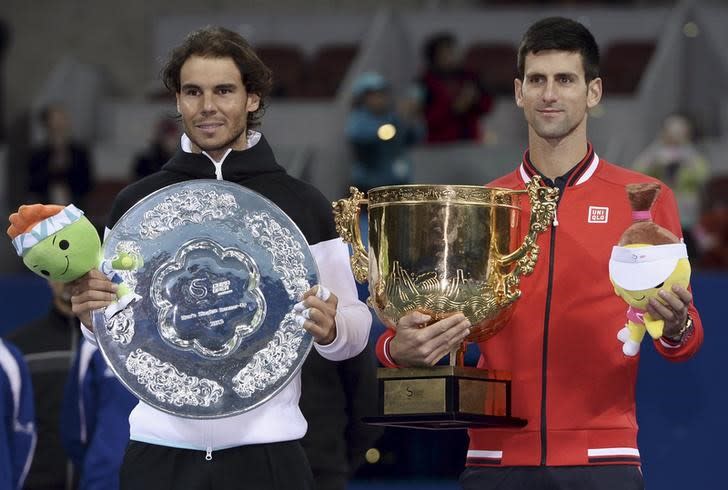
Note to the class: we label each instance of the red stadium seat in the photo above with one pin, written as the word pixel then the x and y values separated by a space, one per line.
pixel 623 65
pixel 495 63
pixel 328 68
pixel 289 68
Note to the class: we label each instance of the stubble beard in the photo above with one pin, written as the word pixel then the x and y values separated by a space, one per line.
pixel 223 146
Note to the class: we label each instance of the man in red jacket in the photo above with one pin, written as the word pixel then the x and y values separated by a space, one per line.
pixel 571 380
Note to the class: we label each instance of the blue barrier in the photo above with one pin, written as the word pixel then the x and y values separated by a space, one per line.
pixel 25 298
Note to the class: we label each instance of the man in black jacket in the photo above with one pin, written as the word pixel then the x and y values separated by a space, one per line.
pixel 220 85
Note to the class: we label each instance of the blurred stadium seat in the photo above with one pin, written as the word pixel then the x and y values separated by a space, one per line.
pixel 328 67
pixel 495 63
pixel 623 65
pixel 288 64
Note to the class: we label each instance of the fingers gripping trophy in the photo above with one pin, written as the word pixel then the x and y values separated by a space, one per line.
pixel 443 250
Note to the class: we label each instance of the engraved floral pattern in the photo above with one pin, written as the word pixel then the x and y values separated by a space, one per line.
pixel 423 193
pixel 288 259
pixel 271 363
pixel 169 385
pixel 186 206
pixel 121 326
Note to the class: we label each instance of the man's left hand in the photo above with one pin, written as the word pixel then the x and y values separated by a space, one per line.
pixel 317 314
pixel 673 310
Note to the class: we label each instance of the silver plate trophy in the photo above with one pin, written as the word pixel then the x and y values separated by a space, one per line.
pixel 218 269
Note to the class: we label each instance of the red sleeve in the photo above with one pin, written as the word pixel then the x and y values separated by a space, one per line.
pixel 382 349
pixel 666 215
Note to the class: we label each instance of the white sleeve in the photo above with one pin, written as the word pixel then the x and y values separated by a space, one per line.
pixel 353 318
pixel 88 334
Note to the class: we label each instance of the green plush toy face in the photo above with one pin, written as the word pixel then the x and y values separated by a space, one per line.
pixel 67 254
pixel 639 299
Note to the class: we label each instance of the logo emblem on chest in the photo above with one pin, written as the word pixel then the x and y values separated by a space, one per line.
pixel 598 214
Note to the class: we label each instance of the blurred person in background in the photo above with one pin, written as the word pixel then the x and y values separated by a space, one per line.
pixel 60 170
pixel 380 135
pixel 95 420
pixel 17 428
pixel 674 159
pixel 711 233
pixel 162 147
pixel 454 98
pixel 49 344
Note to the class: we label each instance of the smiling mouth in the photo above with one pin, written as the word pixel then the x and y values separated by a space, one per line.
pixel 208 126
pixel 68 264
pixel 640 299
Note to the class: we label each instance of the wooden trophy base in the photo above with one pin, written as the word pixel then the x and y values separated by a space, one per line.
pixel 444 397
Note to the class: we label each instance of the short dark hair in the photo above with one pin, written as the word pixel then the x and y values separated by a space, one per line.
pixel 561 34
pixel 434 43
pixel 218 42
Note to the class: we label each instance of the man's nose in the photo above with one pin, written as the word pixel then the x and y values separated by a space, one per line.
pixel 549 91
pixel 208 103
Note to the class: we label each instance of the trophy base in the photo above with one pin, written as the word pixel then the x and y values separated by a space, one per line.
pixel 444 397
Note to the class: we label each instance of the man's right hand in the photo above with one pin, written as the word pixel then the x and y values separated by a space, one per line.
pixel 415 345
pixel 90 292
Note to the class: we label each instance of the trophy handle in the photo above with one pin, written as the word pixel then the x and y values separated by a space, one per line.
pixel 543 209
pixel 346 217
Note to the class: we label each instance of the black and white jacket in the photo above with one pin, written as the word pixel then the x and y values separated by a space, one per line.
pixel 280 418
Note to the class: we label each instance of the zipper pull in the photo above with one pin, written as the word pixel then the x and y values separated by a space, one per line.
pixel 208 454
pixel 556 217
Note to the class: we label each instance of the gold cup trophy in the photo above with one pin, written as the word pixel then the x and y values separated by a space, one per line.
pixel 443 249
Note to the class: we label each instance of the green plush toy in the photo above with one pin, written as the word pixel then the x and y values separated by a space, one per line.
pixel 60 244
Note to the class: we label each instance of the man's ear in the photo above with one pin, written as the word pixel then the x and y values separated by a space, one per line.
pixel 594 93
pixel 518 90
pixel 253 102
pixel 176 96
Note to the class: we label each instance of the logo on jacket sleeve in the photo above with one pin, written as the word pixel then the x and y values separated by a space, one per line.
pixel 598 214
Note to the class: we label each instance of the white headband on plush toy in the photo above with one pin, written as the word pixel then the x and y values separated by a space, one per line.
pixel 635 269
pixel 47 227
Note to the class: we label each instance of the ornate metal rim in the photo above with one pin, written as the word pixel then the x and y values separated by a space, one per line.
pixel 471 195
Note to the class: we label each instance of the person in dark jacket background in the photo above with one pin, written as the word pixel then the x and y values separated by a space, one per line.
pixel 60 170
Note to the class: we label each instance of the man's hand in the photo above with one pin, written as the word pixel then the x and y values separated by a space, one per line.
pixel 90 292
pixel 317 314
pixel 415 344
pixel 674 310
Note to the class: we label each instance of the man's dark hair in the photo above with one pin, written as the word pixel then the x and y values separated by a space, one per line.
pixel 434 43
pixel 561 34
pixel 218 42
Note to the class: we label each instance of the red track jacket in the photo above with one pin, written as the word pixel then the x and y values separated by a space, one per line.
pixel 571 380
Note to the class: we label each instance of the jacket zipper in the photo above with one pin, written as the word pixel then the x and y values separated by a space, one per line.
pixel 546 320
pixel 208 442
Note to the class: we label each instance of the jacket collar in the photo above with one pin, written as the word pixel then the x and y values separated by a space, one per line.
pixel 235 165
pixel 578 174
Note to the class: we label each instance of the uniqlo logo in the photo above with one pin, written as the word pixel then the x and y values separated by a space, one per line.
pixel 598 214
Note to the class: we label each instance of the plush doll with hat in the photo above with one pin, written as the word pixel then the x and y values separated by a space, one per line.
pixel 60 244
pixel 647 260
